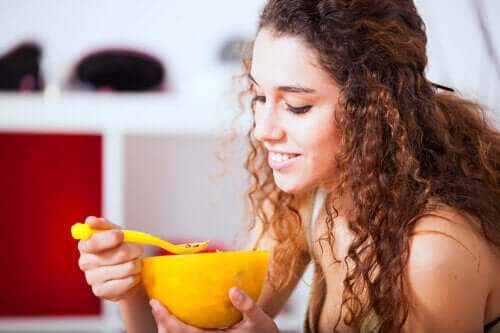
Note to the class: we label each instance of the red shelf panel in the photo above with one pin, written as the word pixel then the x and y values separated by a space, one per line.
pixel 47 182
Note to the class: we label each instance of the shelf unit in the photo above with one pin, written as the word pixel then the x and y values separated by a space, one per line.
pixel 113 117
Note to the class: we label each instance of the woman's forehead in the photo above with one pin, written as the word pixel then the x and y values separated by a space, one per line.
pixel 285 61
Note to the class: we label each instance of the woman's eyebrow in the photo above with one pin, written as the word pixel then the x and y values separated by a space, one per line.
pixel 291 89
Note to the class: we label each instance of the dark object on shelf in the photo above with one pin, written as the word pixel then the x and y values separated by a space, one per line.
pixel 234 49
pixel 119 70
pixel 20 68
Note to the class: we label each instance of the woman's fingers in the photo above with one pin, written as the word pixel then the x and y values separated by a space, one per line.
pixel 104 240
pixel 123 253
pixel 100 223
pixel 246 305
pixel 255 320
pixel 114 290
pixel 112 268
pixel 167 323
pixel 115 272
pixel 101 241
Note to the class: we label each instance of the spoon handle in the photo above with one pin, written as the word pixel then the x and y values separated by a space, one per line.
pixel 84 231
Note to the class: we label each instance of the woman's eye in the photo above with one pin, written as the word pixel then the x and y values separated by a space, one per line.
pixel 302 109
pixel 259 99
pixel 298 110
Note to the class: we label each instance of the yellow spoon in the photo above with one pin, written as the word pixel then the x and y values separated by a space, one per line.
pixel 84 231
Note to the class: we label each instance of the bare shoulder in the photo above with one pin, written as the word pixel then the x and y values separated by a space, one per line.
pixel 450 261
pixel 446 235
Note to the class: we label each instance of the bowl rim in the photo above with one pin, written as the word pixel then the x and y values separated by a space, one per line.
pixel 206 254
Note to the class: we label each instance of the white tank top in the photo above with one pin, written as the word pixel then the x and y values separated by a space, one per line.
pixel 320 195
pixel 318 204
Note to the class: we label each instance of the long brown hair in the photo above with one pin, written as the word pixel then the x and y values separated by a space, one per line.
pixel 404 144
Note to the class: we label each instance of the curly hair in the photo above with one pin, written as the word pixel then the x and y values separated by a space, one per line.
pixel 406 148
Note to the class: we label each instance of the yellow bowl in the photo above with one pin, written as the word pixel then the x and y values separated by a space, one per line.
pixel 194 287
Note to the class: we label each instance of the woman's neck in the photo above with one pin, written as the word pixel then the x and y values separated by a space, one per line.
pixel 343 204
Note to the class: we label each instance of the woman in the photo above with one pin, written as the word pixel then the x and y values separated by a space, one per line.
pixel 387 183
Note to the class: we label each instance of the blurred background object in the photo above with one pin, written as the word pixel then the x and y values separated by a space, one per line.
pixel 235 49
pixel 152 160
pixel 20 68
pixel 119 70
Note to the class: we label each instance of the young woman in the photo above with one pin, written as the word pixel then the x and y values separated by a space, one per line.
pixel 387 183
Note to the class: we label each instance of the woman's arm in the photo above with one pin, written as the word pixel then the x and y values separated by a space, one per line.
pixel 136 312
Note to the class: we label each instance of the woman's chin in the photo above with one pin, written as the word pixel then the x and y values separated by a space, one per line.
pixel 291 186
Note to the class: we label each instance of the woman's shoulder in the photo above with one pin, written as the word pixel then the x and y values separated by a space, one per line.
pixel 445 236
pixel 446 221
pixel 450 260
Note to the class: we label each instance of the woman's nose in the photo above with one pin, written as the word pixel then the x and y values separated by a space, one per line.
pixel 268 127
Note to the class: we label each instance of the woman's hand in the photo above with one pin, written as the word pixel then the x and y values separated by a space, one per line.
pixel 254 319
pixel 112 268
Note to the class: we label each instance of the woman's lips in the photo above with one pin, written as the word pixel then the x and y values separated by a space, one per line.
pixel 279 165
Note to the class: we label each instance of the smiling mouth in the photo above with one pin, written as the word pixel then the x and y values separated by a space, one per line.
pixel 279 161
pixel 280 157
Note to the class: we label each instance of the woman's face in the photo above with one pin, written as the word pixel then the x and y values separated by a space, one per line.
pixel 295 103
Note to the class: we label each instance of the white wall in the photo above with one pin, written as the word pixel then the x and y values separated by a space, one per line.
pixel 176 187
pixel 187 34
pixel 456 49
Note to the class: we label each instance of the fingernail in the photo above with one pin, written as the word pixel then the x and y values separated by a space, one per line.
pixel 157 307
pixel 238 296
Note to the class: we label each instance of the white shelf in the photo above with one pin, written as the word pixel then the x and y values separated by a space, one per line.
pixel 130 113
pixel 60 324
